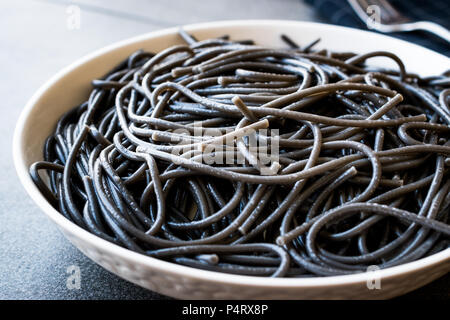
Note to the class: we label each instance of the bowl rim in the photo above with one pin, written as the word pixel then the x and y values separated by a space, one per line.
pixel 169 267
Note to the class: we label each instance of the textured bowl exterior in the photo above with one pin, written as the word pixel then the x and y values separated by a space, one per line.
pixel 71 86
pixel 183 286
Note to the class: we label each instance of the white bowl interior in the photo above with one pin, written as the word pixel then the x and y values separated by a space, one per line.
pixel 71 86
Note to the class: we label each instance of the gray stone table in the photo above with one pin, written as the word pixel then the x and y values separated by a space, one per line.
pixel 37 40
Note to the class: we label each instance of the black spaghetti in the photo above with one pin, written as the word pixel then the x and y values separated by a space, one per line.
pixel 161 159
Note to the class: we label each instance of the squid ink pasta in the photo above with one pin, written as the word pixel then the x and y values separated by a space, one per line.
pixel 275 162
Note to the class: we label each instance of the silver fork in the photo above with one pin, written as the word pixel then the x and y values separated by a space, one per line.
pixel 381 16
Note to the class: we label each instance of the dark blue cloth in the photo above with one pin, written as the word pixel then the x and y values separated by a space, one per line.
pixel 341 13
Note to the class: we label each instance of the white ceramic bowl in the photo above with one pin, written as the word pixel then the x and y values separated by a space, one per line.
pixel 71 86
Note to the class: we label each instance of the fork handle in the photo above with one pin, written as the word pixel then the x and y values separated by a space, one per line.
pixel 432 27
